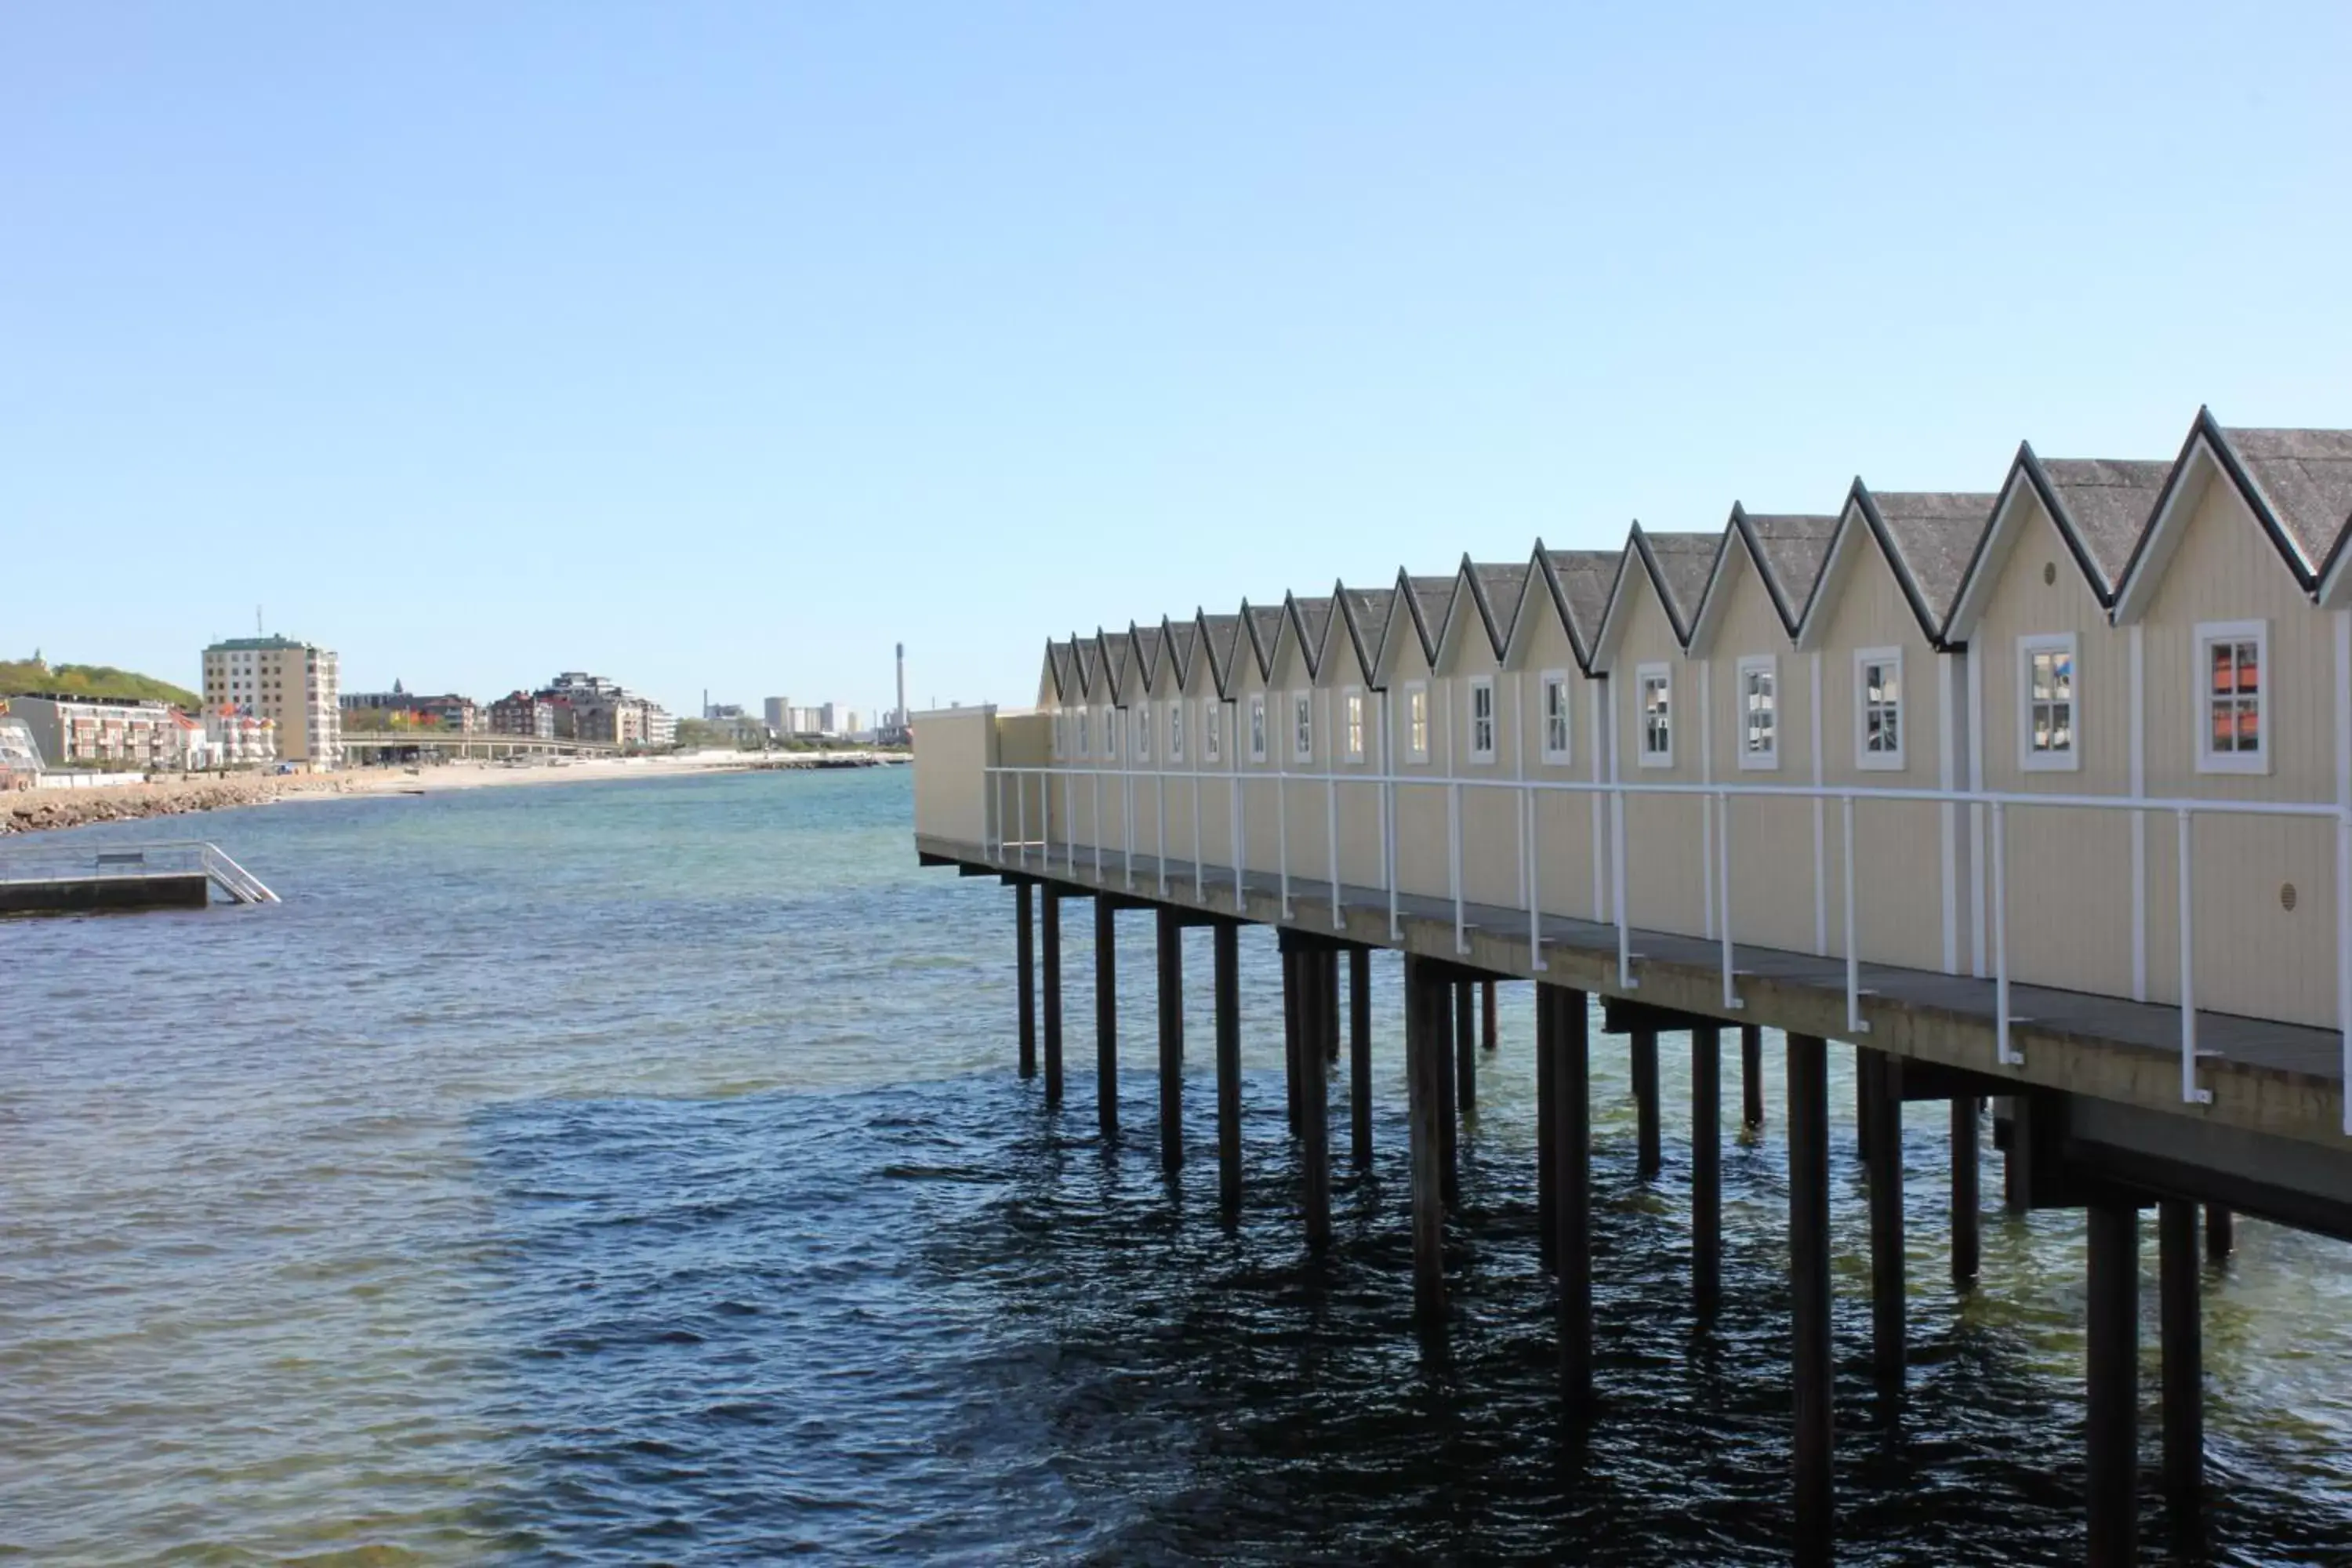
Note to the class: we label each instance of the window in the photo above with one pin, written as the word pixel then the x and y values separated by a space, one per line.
pixel 1353 709
pixel 1061 723
pixel 1176 730
pixel 1556 730
pixel 2047 703
pixel 1257 726
pixel 1482 719
pixel 1084 745
pixel 1215 739
pixel 1302 726
pixel 1655 683
pixel 1878 708
pixel 2231 659
pixel 1416 720
pixel 1112 720
pixel 1143 733
pixel 1760 712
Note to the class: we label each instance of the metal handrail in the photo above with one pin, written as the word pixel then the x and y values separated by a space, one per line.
pixel 120 859
pixel 1716 804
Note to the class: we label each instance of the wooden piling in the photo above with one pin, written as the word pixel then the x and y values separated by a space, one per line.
pixel 1229 1066
pixel 1170 933
pixel 1488 1036
pixel 1884 1118
pixel 1751 1074
pixel 2112 1307
pixel 1572 1151
pixel 1649 1156
pixel 1425 1074
pixel 2178 1269
pixel 1359 1055
pixel 1465 1060
pixel 1107 1015
pixel 1050 978
pixel 2220 1233
pixel 1865 1062
pixel 1290 983
pixel 1024 989
pixel 1706 1169
pixel 1317 999
pixel 1328 967
pixel 1809 1280
pixel 1444 990
pixel 1547 1119
pixel 2017 1162
pixel 1968 1200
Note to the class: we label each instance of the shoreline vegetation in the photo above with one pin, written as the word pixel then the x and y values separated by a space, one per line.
pixel 34 811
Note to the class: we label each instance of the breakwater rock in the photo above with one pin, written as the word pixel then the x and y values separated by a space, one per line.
pixel 29 811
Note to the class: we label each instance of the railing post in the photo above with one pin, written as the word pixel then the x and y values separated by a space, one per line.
pixel 1534 853
pixel 1731 1001
pixel 2003 1051
pixel 2190 1093
pixel 1021 812
pixel 1854 1022
pixel 1625 980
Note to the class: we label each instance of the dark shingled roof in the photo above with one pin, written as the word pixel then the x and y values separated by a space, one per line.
pixel 1315 615
pixel 1501 586
pixel 1585 578
pixel 1936 532
pixel 1793 548
pixel 2306 478
pixel 1432 596
pixel 1685 561
pixel 1219 632
pixel 1148 651
pixel 1266 625
pixel 1064 670
pixel 1114 650
pixel 1089 666
pixel 1368 610
pixel 2109 502
pixel 1180 648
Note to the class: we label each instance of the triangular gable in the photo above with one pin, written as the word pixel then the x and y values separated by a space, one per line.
pixel 1113 653
pixel 1061 667
pixel 1220 639
pixel 1580 583
pixel 1364 615
pixel 1493 592
pixel 2100 508
pixel 1788 550
pixel 1262 629
pixel 1676 566
pixel 2296 483
pixel 1310 623
pixel 1426 602
pixel 1148 650
pixel 1927 539
pixel 1087 657
pixel 1182 640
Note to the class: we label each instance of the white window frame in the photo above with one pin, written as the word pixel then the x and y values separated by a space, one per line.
pixel 1644 676
pixel 1142 714
pixel 1061 723
pixel 1302 726
pixel 1085 733
pixel 1257 727
pixel 2209 760
pixel 2029 759
pixel 1212 736
pixel 1351 728
pixel 1176 730
pixel 1880 761
pixel 1416 720
pixel 1113 717
pixel 1482 685
pixel 1752 760
pixel 1552 688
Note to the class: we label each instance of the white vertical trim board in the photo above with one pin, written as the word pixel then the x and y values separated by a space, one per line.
pixel 1979 961
pixel 1603 743
pixel 2139 726
pixel 1946 762
pixel 1821 828
pixel 1706 813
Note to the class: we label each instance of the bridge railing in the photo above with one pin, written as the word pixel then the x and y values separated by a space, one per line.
pixel 1023 807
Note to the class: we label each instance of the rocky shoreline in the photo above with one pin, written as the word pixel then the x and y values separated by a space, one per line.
pixel 33 811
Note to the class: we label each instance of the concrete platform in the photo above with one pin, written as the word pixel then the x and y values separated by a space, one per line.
pixel 103 894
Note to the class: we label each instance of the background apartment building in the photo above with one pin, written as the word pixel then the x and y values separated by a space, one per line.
pixel 293 684
pixel 99 731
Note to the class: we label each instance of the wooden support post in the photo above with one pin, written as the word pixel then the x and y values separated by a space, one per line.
pixel 1884 1118
pixel 1466 1059
pixel 1967 1202
pixel 2112 1307
pixel 1360 1054
pixel 1317 999
pixel 1443 992
pixel 2017 1162
pixel 1426 1071
pixel 1107 1015
pixel 2220 1233
pixel 1024 990
pixel 1649 1155
pixel 1229 1067
pixel 1865 1062
pixel 1327 971
pixel 1571 1151
pixel 1547 1126
pixel 1289 1027
pixel 1706 1169
pixel 1487 1035
pixel 1172 1040
pixel 1050 964
pixel 1751 1074
pixel 1809 1280
pixel 2178 1268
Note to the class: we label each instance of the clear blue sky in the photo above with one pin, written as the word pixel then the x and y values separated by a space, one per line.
pixel 725 345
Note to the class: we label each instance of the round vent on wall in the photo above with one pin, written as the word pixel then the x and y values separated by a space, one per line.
pixel 2286 896
pixel 2049 572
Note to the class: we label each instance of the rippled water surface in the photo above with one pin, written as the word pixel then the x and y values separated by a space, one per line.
pixel 633 1172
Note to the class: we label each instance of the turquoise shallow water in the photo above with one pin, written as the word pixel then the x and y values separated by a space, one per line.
pixel 635 1172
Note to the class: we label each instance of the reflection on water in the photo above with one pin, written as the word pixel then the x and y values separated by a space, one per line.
pixel 616 1173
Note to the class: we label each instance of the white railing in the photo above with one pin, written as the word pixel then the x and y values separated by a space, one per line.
pixel 1009 787
pixel 48 858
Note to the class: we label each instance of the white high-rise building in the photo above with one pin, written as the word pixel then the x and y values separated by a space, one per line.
pixel 293 684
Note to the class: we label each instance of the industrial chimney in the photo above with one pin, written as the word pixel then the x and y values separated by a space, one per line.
pixel 902 686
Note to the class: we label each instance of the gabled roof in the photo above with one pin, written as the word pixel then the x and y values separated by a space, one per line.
pixel 1118 660
pixel 1365 614
pixel 1495 592
pixel 1148 651
pixel 1061 661
pixel 1926 537
pixel 1263 625
pixel 1219 642
pixel 2297 484
pixel 1676 566
pixel 1182 640
pixel 1088 656
pixel 1426 602
pixel 1580 583
pixel 2099 506
pixel 1789 551
pixel 1310 619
